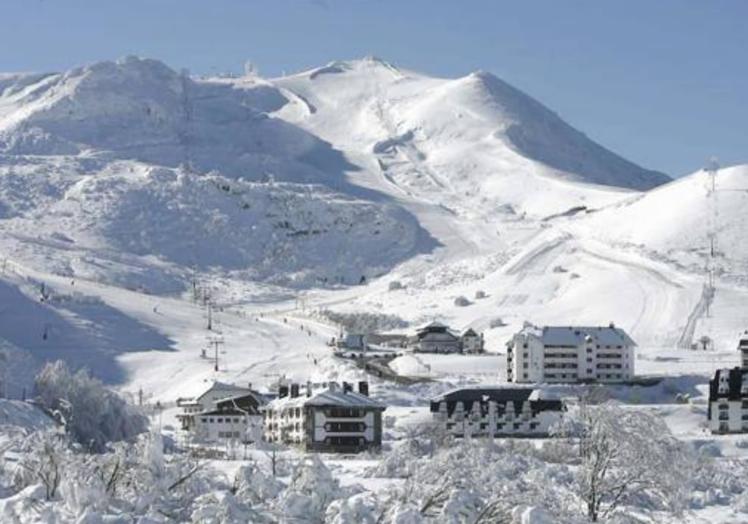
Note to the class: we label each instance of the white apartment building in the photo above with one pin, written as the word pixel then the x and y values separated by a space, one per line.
pixel 206 401
pixel 557 354
pixel 335 419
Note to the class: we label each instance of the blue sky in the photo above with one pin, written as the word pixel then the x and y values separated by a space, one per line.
pixel 662 82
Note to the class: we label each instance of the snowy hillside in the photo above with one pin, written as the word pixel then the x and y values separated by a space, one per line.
pixel 676 220
pixel 473 143
pixel 165 231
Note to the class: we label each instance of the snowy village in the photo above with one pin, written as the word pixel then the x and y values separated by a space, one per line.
pixel 318 286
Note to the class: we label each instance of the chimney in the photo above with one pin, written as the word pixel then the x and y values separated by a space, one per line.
pixel 347 387
pixel 611 325
pixel 363 388
pixel 282 391
pixel 294 390
pixel 249 385
pixel 309 388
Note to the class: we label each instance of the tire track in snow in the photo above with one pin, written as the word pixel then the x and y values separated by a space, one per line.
pixel 527 259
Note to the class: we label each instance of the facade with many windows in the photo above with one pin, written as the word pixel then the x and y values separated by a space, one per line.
pixel 569 354
pixel 335 419
pixel 728 401
pixel 496 412
pixel 234 418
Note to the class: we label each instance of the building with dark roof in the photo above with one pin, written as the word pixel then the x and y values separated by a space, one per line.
pixel 728 401
pixel 334 419
pixel 233 418
pixel 436 337
pixel 496 412
pixel 209 399
pixel 558 354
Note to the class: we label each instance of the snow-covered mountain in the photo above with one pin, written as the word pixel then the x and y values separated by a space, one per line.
pixel 475 136
pixel 122 183
pixel 166 231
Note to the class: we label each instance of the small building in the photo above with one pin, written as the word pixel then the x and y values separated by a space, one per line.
pixel 207 399
pixel 333 419
pixel 353 341
pixel 371 341
pixel 471 341
pixel 392 341
pixel 728 401
pixel 496 412
pixel 436 338
pixel 569 354
pixel 234 418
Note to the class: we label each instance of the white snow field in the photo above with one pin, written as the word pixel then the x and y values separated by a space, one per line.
pixel 126 187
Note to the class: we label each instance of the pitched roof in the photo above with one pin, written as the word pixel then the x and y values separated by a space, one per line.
pixel 577 335
pixel 329 397
pixel 470 332
pixel 501 395
pixel 230 389
pixel 514 394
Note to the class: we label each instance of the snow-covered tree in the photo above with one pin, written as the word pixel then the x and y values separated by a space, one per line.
pixel 92 414
pixel 44 460
pixel 625 454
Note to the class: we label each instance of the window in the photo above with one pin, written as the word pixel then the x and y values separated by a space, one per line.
pixel 723 406
pixel 524 365
pixel 525 375
pixel 344 413
pixel 345 441
pixel 211 420
pixel 203 419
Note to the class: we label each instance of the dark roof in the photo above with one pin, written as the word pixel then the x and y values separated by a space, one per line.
pixel 250 402
pixel 734 382
pixel 223 412
pixel 501 396
pixel 434 327
pixel 230 389
pixel 480 394
pixel 470 333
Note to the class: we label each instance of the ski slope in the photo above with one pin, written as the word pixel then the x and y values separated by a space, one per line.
pixel 124 184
